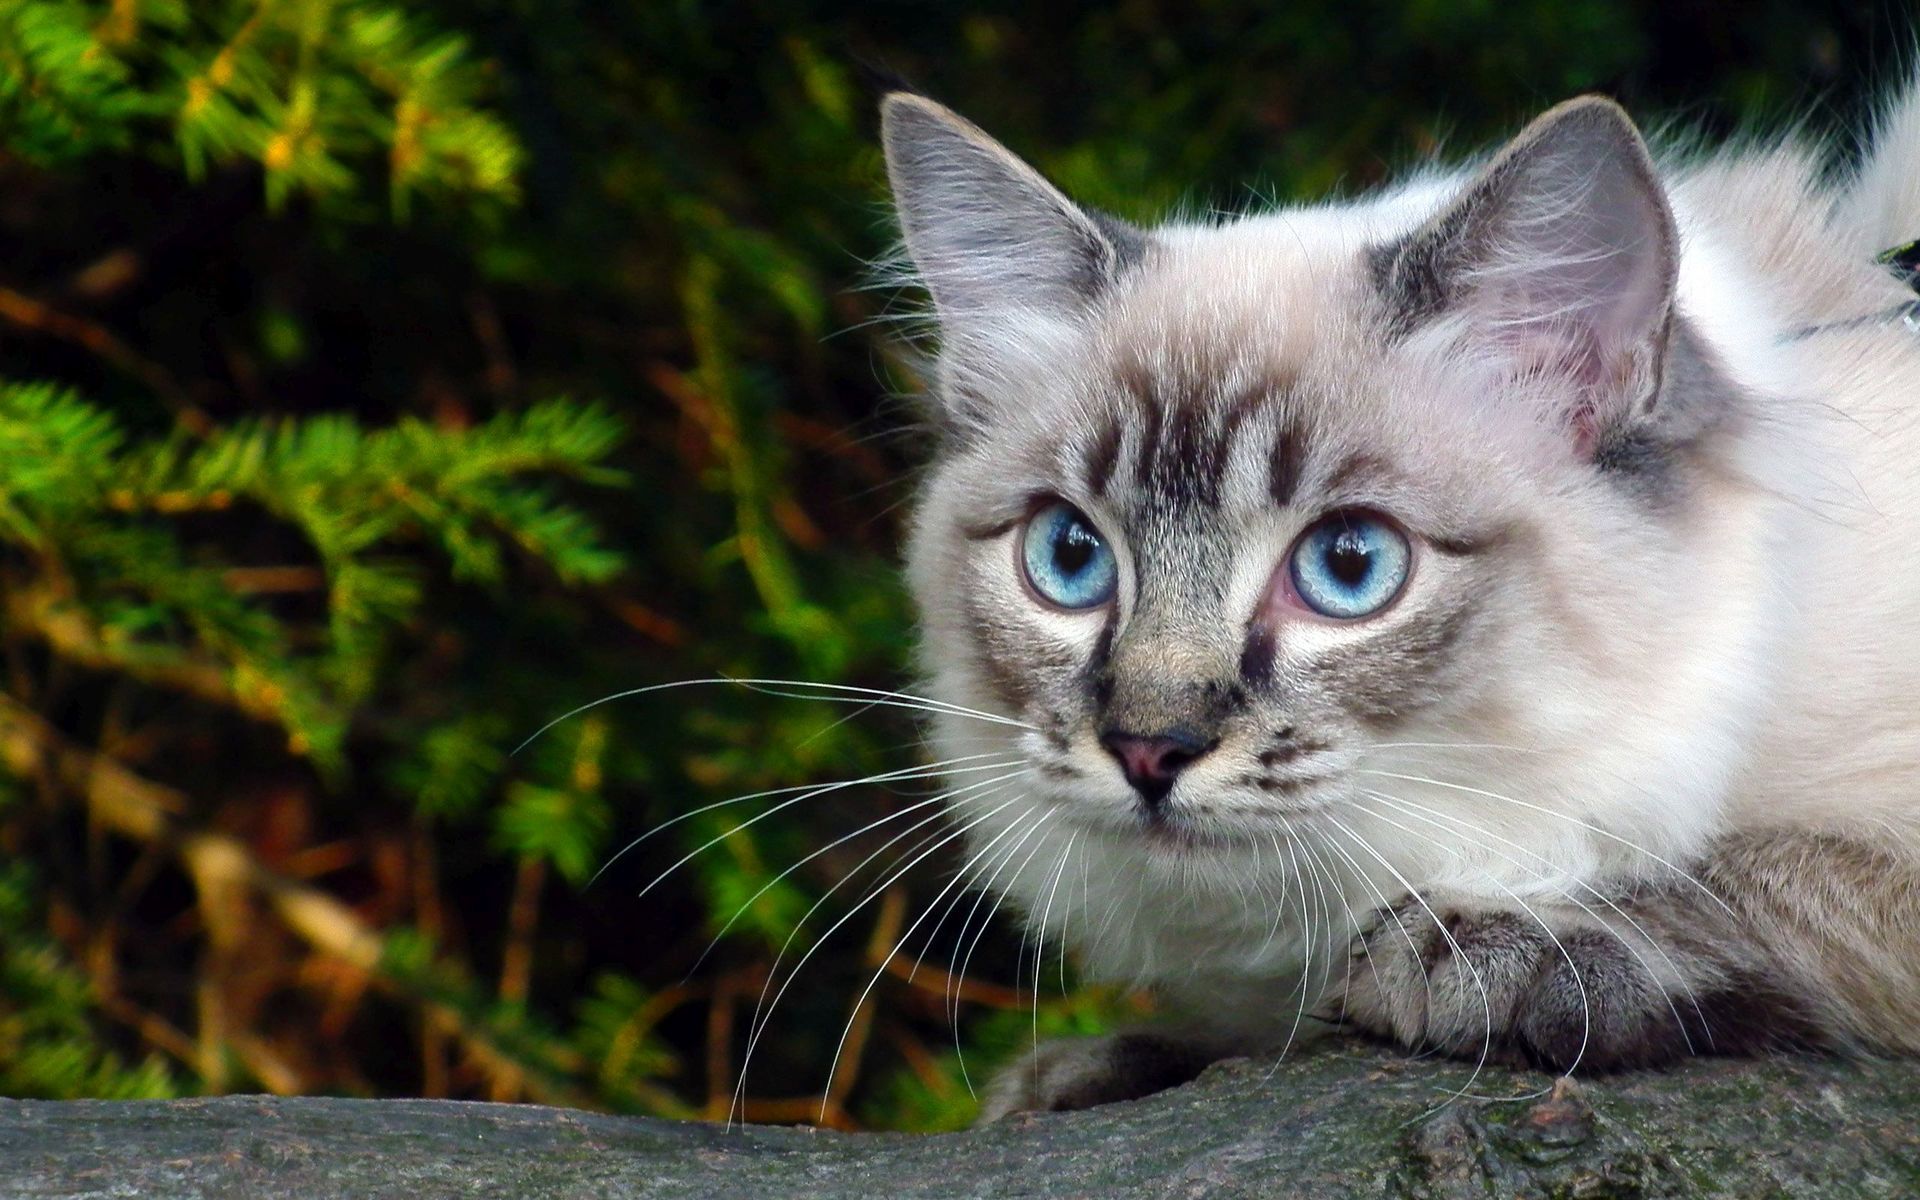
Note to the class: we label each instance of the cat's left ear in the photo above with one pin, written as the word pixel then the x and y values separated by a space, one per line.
pixel 1561 257
pixel 997 245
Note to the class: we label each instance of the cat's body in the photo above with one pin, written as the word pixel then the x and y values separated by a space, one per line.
pixel 1486 614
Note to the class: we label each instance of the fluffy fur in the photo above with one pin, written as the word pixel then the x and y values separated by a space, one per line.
pixel 1630 768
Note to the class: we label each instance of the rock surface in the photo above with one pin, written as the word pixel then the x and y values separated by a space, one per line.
pixel 1343 1121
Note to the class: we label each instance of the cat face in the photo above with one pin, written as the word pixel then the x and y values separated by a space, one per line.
pixel 1359 519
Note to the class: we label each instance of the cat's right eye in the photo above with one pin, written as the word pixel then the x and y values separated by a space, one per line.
pixel 1067 562
pixel 1349 565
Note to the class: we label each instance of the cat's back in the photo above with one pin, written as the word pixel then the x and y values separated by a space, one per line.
pixel 1784 266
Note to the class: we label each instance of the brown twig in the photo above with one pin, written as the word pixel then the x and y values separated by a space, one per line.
pixel 36 316
pixel 274 581
pixel 720 1014
pixel 648 622
pixel 523 922
pixel 66 630
pixel 501 377
pixel 937 982
pixel 920 1060
pixel 146 811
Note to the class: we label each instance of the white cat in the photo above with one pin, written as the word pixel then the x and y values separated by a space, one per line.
pixel 1486 614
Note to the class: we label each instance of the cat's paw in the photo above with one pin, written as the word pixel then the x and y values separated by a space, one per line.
pixel 1082 1072
pixel 1547 988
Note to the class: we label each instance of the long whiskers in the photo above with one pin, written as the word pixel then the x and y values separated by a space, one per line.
pixel 919 771
pixel 763 1009
pixel 1380 898
pixel 945 798
pixel 1040 937
pixel 1586 1004
pixel 1567 817
pixel 840 1047
pixel 784 804
pixel 1543 873
pixel 1295 852
pixel 966 961
pixel 1486 1002
pixel 836 692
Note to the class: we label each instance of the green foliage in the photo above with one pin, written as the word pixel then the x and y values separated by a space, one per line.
pixel 92 505
pixel 49 1048
pixel 297 539
pixel 307 89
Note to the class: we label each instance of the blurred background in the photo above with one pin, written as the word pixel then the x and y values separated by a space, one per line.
pixel 379 381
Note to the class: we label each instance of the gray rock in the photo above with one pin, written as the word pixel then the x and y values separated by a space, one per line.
pixel 1342 1121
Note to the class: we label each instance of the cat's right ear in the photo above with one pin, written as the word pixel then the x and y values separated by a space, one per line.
pixel 992 240
pixel 1560 260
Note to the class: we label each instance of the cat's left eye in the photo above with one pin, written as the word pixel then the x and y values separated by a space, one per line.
pixel 1067 562
pixel 1349 565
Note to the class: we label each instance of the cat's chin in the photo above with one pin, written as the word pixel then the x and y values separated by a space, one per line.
pixel 1172 837
pixel 1161 836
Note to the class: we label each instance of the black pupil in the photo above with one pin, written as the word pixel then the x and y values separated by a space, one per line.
pixel 1348 559
pixel 1073 547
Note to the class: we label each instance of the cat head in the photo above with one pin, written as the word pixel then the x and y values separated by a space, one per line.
pixel 1254 523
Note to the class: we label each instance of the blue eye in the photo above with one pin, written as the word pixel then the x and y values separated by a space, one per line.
pixel 1067 561
pixel 1350 565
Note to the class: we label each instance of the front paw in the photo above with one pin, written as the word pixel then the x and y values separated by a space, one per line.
pixel 1082 1072
pixel 1547 988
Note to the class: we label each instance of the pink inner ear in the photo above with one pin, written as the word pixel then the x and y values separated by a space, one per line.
pixel 1573 358
pixel 1571 272
pixel 1585 423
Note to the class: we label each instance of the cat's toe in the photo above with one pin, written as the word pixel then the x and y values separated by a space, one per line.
pixel 1596 1004
pixel 1081 1072
pixel 1506 985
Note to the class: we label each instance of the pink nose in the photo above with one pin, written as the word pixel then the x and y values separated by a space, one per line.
pixel 1151 762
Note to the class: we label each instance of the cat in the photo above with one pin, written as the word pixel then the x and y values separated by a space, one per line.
pixel 1482 615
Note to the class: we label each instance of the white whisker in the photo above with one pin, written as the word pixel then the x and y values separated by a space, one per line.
pixel 1475 832
pixel 948 797
pixel 966 960
pixel 1586 1004
pixel 1486 1002
pixel 836 692
pixel 1040 936
pixel 1567 817
pixel 784 804
pixel 854 1015
pixel 924 771
pixel 763 1011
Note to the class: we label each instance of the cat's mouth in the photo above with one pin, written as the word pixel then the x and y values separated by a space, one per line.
pixel 1164 832
pixel 1176 833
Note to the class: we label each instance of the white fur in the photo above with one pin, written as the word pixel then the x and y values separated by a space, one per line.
pixel 1764 677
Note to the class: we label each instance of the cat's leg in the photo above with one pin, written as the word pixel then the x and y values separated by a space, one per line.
pixel 1783 939
pixel 1072 1073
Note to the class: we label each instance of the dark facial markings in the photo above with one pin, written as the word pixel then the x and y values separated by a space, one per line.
pixel 1256 659
pixel 991 530
pixel 1165 455
pixel 1151 418
pixel 1009 664
pixel 1186 434
pixel 1355 467
pixel 1283 466
pixel 1267 783
pixel 1411 275
pixel 1099 662
pixel 1279 755
pixel 1053 727
pixel 1104 457
pixel 1401 671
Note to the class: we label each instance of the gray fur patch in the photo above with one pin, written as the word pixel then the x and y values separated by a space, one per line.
pixel 1401 671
